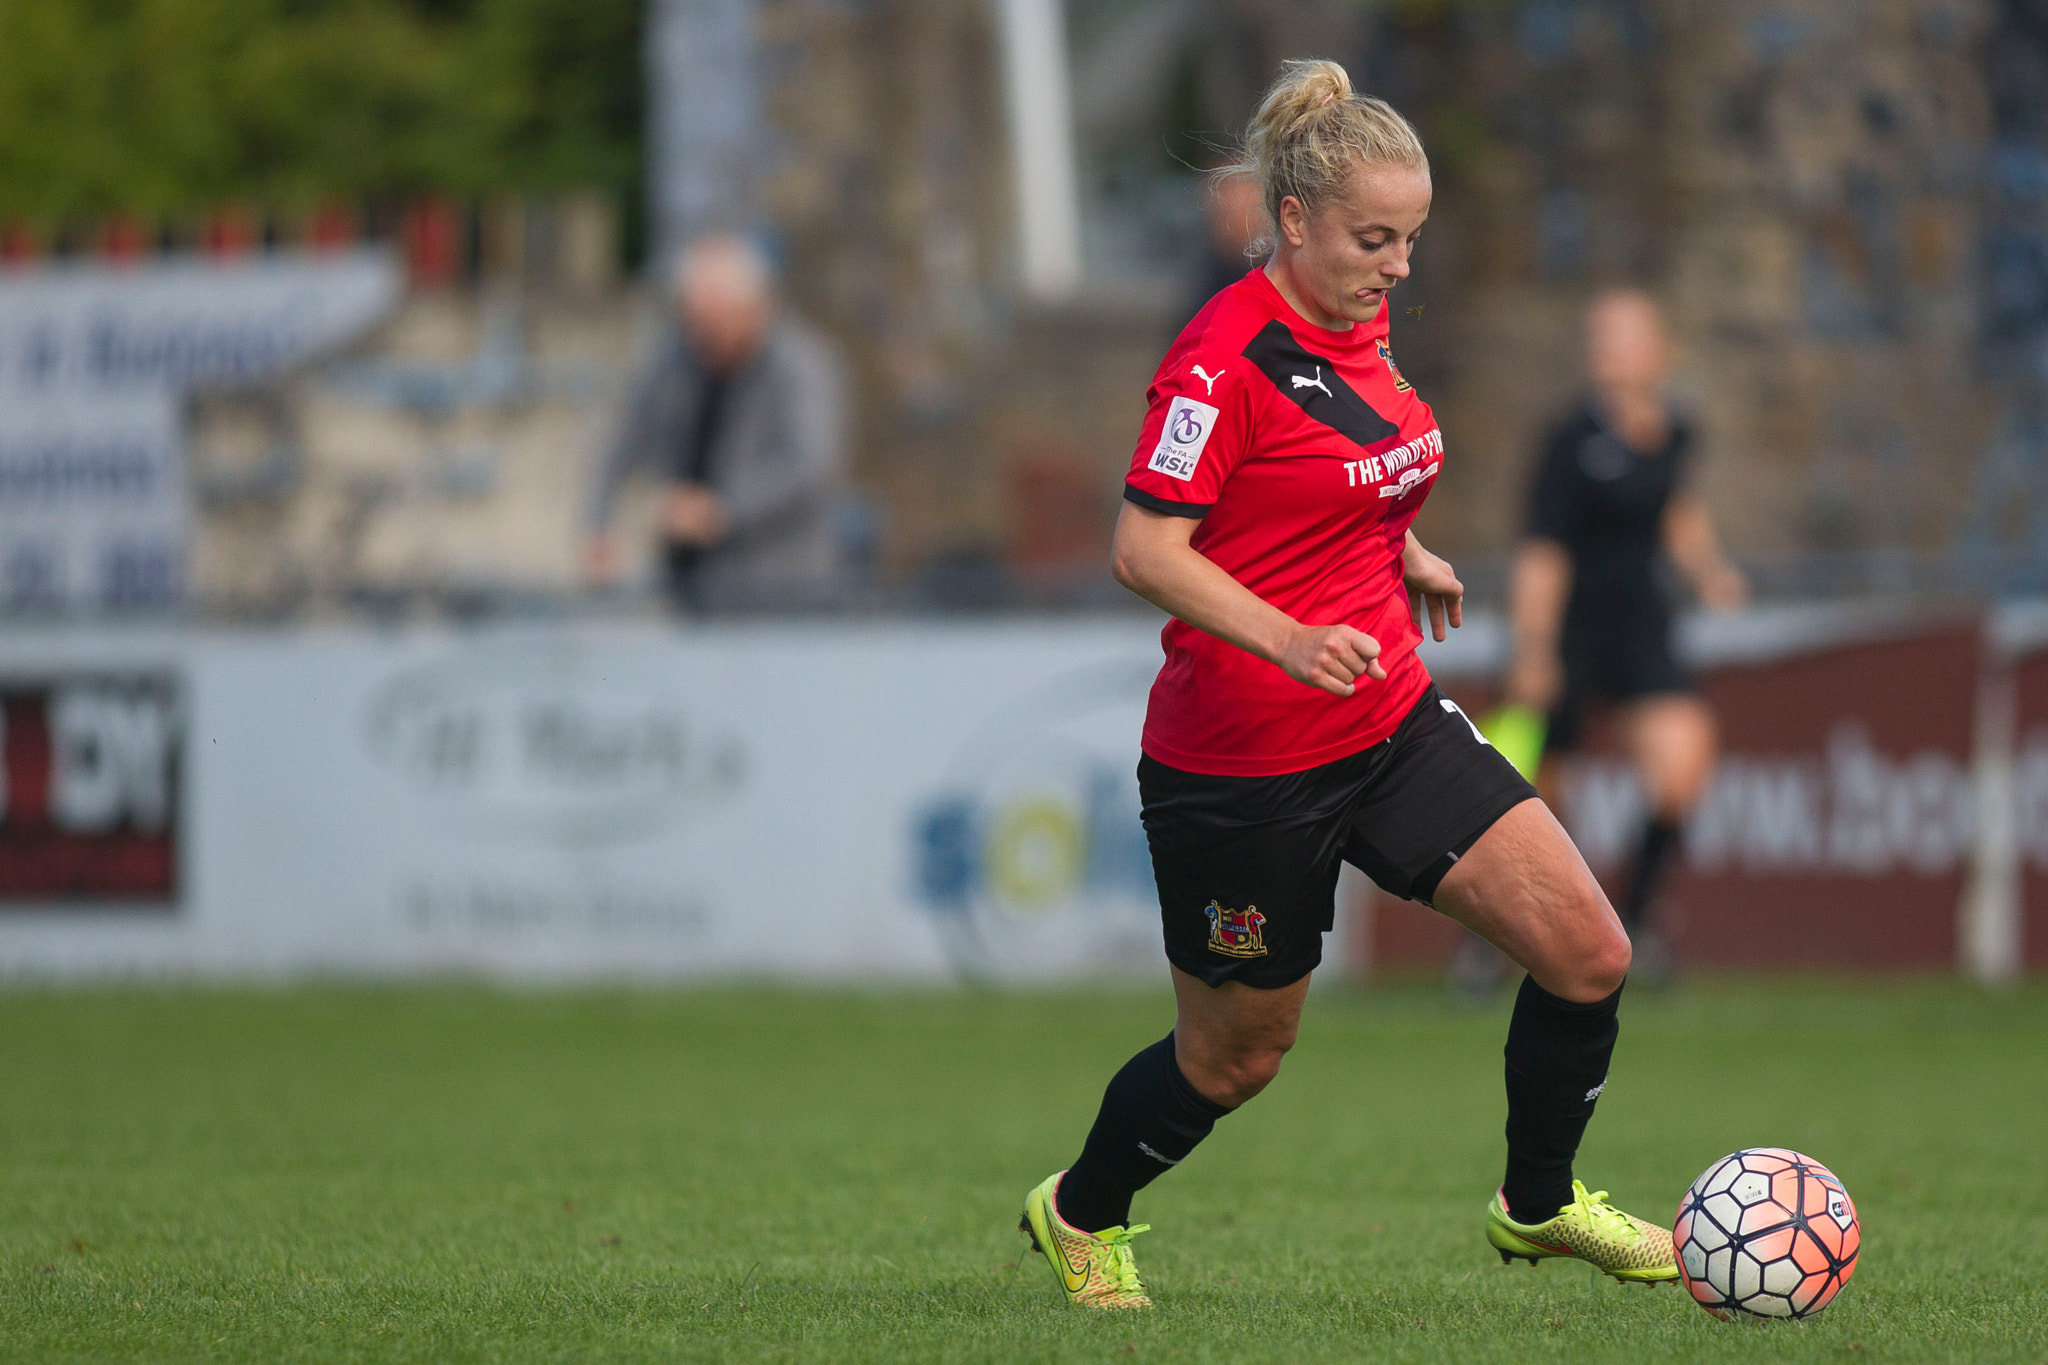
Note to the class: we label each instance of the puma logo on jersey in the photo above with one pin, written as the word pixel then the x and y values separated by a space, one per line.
pixel 1316 385
pixel 1207 379
pixel 1304 382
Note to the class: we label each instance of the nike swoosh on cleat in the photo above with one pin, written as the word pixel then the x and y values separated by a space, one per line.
pixel 1075 1281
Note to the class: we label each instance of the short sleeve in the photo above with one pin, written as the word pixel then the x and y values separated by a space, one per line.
pixel 1554 493
pixel 1198 427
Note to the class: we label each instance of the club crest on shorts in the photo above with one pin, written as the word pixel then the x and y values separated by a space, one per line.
pixel 1236 933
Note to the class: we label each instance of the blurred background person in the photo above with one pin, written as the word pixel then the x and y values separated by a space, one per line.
pixel 1591 614
pixel 742 415
pixel 1233 220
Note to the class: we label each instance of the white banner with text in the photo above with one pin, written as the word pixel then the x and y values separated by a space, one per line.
pixel 95 364
pixel 921 801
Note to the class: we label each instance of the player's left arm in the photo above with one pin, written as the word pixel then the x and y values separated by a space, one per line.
pixel 1689 539
pixel 1432 584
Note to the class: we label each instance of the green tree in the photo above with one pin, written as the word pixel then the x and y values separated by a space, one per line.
pixel 162 106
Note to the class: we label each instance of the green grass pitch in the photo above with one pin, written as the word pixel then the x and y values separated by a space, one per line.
pixel 452 1173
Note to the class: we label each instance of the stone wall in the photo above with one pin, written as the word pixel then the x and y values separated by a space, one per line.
pixel 445 467
pixel 1797 179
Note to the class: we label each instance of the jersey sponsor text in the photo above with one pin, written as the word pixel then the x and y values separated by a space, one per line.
pixel 1398 464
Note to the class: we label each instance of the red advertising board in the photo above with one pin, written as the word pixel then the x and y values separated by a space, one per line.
pixel 1839 827
pixel 88 791
pixel 2030 803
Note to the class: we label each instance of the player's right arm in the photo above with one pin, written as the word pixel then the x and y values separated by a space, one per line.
pixel 1154 559
pixel 1200 425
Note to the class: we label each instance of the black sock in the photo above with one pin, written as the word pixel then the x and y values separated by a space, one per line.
pixel 1150 1119
pixel 1557 1057
pixel 1660 837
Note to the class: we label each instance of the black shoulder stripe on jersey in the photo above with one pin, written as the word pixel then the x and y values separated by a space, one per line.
pixel 1195 510
pixel 1311 381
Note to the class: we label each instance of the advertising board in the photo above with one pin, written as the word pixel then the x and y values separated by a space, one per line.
pixel 88 785
pixel 850 800
pixel 1841 823
pixel 811 801
pixel 95 365
pixel 2026 683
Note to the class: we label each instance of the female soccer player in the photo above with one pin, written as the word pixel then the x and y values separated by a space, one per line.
pixel 1591 621
pixel 1293 725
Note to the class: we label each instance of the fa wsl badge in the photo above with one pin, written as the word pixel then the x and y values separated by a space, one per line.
pixel 1186 431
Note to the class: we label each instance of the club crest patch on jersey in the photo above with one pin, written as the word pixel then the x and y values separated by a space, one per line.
pixel 1236 933
pixel 1187 429
pixel 1387 357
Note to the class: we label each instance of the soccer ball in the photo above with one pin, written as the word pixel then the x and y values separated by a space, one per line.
pixel 1766 1233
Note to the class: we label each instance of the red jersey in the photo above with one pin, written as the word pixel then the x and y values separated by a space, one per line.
pixel 1306 456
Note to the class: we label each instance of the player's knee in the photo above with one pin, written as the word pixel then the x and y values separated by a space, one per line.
pixel 1595 960
pixel 1606 967
pixel 1249 1072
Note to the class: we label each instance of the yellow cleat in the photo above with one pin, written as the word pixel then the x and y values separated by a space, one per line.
pixel 1591 1230
pixel 1094 1268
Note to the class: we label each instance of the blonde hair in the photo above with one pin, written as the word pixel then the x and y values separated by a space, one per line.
pixel 1311 129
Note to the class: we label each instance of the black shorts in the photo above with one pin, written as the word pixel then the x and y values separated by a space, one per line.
pixel 1247 866
pixel 1615 662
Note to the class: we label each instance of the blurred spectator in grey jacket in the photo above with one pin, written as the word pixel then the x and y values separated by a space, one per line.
pixel 742 416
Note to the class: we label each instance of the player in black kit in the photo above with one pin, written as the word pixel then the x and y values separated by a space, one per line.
pixel 1592 618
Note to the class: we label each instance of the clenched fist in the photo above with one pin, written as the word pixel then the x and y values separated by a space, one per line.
pixel 1331 657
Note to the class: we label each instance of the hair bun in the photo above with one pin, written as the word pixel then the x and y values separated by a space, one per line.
pixel 1312 128
pixel 1305 90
